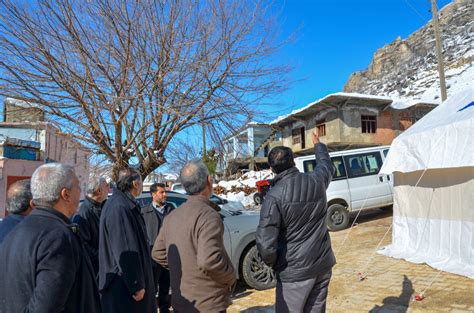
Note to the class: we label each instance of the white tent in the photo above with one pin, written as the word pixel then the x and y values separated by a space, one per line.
pixel 433 167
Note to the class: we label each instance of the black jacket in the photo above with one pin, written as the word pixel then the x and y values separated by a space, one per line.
pixel 125 264
pixel 292 235
pixel 154 221
pixel 88 219
pixel 45 268
pixel 8 223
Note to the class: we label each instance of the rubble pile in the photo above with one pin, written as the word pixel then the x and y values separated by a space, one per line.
pixel 247 190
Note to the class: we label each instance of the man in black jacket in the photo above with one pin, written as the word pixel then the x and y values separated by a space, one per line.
pixel 19 205
pixel 44 266
pixel 154 214
pixel 88 217
pixel 125 270
pixel 292 236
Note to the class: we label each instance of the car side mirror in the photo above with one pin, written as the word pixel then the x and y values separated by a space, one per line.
pixel 224 201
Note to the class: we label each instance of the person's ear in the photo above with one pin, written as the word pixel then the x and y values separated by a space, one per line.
pixel 64 193
pixel 135 184
pixel 32 205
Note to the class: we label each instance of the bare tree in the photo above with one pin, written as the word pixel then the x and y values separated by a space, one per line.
pixel 180 152
pixel 126 76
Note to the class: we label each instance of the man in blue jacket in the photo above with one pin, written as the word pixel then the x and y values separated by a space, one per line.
pixel 125 268
pixel 292 236
pixel 19 205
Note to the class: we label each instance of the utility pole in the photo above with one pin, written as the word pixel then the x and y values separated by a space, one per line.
pixel 439 51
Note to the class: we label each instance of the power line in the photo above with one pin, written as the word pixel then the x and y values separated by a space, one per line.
pixel 425 20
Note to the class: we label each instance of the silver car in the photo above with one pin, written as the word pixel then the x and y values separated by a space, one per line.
pixel 239 241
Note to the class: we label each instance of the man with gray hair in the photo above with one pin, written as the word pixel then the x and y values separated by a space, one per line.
pixel 191 245
pixel 44 266
pixel 19 205
pixel 88 217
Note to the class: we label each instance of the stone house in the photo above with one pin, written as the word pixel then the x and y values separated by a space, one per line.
pixel 346 121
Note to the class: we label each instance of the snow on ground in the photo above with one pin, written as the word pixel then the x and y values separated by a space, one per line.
pixel 247 180
pixel 246 200
pixel 427 86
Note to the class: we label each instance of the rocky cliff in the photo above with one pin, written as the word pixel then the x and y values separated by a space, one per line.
pixel 408 68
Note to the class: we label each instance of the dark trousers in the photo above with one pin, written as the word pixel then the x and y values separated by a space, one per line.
pixel 161 277
pixel 303 296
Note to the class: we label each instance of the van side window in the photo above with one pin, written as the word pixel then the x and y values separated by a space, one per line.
pixel 340 173
pixel 340 168
pixel 364 164
pixel 309 166
pixel 385 152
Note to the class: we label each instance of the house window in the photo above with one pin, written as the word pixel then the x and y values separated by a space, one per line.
pixel 368 124
pixel 298 136
pixel 321 126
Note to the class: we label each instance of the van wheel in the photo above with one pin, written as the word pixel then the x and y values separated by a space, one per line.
pixel 255 273
pixel 337 217
pixel 258 198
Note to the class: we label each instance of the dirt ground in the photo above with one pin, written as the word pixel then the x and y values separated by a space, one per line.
pixel 390 285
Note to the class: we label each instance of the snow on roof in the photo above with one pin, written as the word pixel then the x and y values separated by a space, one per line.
pixel 333 95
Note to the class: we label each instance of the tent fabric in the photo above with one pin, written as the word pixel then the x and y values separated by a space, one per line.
pixel 442 138
pixel 433 168
pixel 433 222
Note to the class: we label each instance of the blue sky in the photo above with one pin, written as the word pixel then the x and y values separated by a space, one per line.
pixel 336 38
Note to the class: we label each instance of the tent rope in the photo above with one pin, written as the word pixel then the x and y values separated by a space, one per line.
pixel 421 295
pixel 352 225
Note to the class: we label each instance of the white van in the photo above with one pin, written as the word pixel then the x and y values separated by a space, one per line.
pixel 356 184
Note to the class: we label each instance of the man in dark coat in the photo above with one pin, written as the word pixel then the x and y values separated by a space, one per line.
pixel 292 236
pixel 191 245
pixel 125 265
pixel 19 205
pixel 44 266
pixel 154 214
pixel 88 217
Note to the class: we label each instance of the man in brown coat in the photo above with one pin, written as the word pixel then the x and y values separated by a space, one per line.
pixel 191 245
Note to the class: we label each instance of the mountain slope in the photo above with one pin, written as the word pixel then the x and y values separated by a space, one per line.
pixel 407 69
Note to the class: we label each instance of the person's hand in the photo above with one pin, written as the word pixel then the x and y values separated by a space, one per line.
pixel 315 136
pixel 138 296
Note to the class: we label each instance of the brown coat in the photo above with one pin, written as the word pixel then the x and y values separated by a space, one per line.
pixel 191 245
